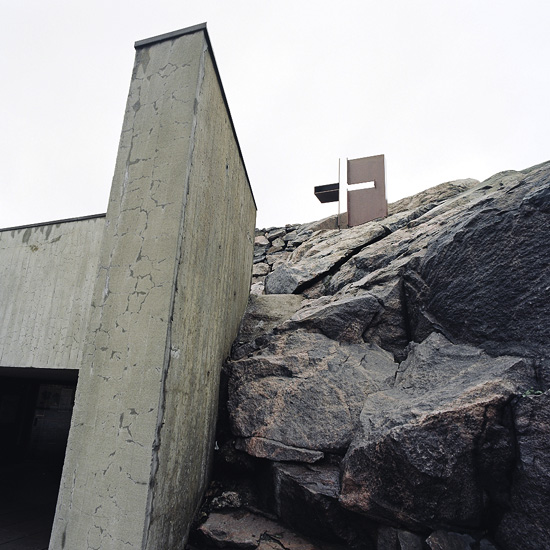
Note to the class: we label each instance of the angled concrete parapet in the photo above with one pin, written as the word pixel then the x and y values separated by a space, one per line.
pixel 173 278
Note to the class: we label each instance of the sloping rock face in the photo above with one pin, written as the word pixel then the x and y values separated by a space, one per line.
pixel 498 241
pixel 390 386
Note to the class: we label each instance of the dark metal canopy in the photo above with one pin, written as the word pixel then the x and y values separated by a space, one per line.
pixel 327 193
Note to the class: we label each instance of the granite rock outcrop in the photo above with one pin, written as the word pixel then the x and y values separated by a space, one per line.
pixel 390 385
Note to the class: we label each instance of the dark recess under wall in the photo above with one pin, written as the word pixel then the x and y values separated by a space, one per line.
pixel 35 415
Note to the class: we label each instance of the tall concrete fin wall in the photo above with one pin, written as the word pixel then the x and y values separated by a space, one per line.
pixel 212 285
pixel 174 274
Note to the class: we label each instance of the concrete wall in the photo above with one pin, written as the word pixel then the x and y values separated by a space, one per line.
pixel 47 275
pixel 212 284
pixel 174 274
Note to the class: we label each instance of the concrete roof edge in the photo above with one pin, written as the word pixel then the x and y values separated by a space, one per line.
pixel 54 222
pixel 169 35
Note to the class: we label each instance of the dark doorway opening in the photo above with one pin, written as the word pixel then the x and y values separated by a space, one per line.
pixel 35 415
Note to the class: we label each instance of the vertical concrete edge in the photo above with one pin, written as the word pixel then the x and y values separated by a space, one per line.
pixel 168 344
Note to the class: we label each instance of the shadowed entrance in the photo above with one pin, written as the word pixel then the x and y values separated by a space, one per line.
pixel 35 415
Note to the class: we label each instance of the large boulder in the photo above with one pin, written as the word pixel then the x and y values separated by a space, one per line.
pixel 526 524
pixel 437 449
pixel 305 390
pixel 485 279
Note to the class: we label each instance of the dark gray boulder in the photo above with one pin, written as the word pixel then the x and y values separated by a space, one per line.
pixel 449 448
pixel 305 390
pixel 526 524
pixel 438 447
pixel 306 499
pixel 485 279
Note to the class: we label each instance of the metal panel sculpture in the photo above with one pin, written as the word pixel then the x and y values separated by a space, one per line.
pixel 367 204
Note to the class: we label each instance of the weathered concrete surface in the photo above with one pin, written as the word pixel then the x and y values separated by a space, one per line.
pixel 212 291
pixel 174 273
pixel 48 274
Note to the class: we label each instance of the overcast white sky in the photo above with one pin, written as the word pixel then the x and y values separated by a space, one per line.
pixel 446 89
